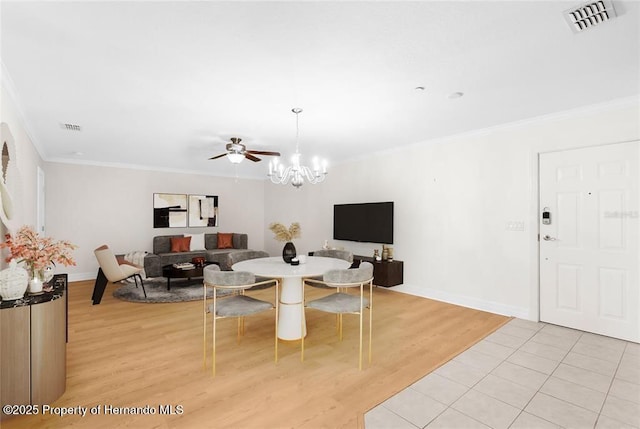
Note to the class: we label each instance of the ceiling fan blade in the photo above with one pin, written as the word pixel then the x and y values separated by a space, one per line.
pixel 263 152
pixel 251 157
pixel 218 156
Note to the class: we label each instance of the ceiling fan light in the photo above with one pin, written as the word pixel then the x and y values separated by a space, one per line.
pixel 235 158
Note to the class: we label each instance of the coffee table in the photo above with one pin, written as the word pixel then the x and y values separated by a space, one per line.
pixel 170 272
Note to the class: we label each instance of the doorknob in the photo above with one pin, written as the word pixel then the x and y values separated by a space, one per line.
pixel 549 238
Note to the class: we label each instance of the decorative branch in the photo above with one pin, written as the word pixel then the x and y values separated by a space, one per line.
pixel 282 233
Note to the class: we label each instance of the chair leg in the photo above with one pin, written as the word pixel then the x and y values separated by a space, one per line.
pixel 239 333
pixel 370 319
pixel 302 327
pixel 213 365
pixel 142 284
pixel 360 316
pixel 204 328
pixel 277 313
pixel 360 350
pixel 99 287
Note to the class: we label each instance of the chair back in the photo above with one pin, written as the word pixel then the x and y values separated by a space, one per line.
pixel 109 264
pixel 349 276
pixel 335 253
pixel 230 279
pixel 235 257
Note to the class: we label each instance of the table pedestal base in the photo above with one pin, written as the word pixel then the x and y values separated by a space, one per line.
pixel 291 321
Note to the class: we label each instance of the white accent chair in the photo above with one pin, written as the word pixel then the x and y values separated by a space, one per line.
pixel 113 270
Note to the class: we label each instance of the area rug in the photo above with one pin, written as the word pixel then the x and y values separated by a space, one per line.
pixel 181 290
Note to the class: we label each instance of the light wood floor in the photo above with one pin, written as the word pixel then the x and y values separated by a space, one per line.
pixel 131 355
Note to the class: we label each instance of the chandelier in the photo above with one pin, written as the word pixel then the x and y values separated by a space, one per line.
pixel 297 173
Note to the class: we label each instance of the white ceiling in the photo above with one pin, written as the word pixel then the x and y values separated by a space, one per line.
pixel 165 84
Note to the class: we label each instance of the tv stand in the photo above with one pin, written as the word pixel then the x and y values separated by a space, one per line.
pixel 385 273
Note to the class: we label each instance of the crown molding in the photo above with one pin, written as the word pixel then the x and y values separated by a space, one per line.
pixel 149 168
pixel 618 103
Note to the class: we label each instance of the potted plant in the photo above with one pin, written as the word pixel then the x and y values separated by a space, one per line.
pixel 38 254
pixel 282 233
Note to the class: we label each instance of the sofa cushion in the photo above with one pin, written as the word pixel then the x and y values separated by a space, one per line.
pixel 225 240
pixel 162 243
pixel 210 241
pixel 180 244
pixel 197 241
pixel 240 241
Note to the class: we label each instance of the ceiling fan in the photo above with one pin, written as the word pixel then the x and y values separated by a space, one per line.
pixel 236 152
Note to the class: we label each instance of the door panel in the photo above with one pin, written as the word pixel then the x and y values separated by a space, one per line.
pixel 589 253
pixel 613 288
pixel 568 287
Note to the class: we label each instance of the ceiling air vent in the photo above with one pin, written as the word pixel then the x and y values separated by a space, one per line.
pixel 589 15
pixel 72 127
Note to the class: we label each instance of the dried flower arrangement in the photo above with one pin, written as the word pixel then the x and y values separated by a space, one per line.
pixel 37 252
pixel 282 233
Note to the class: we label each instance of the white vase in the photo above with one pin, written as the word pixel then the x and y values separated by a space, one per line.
pixel 13 282
pixel 35 285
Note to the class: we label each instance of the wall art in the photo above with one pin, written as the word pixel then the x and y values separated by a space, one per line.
pixel 169 210
pixel 203 210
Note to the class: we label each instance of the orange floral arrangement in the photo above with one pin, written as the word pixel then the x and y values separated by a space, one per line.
pixel 37 252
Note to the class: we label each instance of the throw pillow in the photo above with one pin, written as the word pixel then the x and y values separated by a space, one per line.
pixel 225 240
pixel 197 241
pixel 180 244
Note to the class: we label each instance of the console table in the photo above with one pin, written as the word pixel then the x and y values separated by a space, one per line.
pixel 385 273
pixel 33 351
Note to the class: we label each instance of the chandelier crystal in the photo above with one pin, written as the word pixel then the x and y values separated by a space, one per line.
pixel 296 173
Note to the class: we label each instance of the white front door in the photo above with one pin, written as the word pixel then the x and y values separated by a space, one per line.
pixel 589 240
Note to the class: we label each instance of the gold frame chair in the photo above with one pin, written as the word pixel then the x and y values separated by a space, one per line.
pixel 237 304
pixel 340 302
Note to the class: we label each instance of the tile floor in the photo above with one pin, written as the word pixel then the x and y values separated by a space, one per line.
pixel 524 375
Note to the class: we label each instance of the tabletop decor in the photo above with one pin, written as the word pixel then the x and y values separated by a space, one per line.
pixel 38 254
pixel 282 233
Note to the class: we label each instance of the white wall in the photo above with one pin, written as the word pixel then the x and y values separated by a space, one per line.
pixel 93 205
pixel 453 200
pixel 21 180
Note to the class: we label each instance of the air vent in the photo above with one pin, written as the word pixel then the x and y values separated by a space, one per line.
pixel 589 15
pixel 72 127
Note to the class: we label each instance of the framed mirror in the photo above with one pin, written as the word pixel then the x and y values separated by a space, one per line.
pixel 203 210
pixel 9 180
pixel 169 210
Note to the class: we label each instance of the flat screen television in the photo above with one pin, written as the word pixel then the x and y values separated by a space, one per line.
pixel 364 222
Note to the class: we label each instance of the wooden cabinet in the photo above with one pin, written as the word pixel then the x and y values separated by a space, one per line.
pixel 15 365
pixel 385 273
pixel 48 351
pixel 33 348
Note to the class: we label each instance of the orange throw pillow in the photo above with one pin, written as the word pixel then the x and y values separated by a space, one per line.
pixel 180 244
pixel 225 240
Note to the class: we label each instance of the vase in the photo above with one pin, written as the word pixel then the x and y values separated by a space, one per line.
pixel 288 252
pixel 35 285
pixel 13 282
pixel 38 279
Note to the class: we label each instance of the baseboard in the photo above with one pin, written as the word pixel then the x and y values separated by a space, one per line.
pixel 78 277
pixel 464 301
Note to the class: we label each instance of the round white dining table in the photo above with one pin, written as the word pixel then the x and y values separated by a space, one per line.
pixel 291 322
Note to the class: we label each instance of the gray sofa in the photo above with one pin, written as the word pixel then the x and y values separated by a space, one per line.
pixel 162 254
